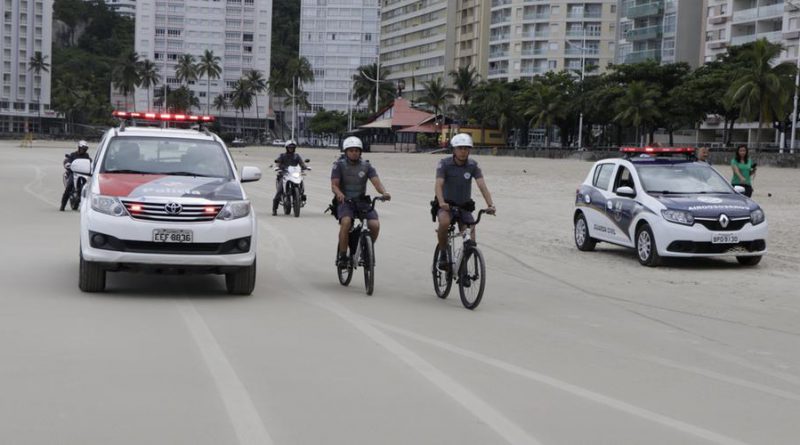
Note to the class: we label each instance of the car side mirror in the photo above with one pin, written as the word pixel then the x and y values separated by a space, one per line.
pixel 250 174
pixel 739 189
pixel 82 166
pixel 625 191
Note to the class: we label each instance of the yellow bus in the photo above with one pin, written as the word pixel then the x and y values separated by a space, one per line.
pixel 480 137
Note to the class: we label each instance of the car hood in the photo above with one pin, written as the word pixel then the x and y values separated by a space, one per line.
pixel 711 205
pixel 125 185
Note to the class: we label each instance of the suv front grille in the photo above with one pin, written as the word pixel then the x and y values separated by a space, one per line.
pixel 151 211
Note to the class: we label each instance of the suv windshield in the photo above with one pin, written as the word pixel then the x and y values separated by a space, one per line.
pixel 683 178
pixel 159 156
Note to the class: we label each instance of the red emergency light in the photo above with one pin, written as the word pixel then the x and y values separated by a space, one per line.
pixel 657 150
pixel 165 117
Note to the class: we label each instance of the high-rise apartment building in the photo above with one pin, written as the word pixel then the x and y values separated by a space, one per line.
pixel 531 38
pixel 337 37
pixel 126 8
pixel 24 94
pixel 736 22
pixel 238 31
pixel 417 40
pixel 666 31
pixel 472 35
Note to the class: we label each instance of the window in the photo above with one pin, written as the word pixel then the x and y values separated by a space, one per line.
pixel 624 179
pixel 602 176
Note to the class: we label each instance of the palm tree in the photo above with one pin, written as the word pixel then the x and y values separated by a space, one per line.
pixel 241 99
pixel 762 91
pixel 257 84
pixel 436 95
pixel 185 69
pixel 465 81
pixel 544 105
pixel 182 100
pixel 125 75
pixel 148 73
pixel 297 72
pixel 209 67
pixel 221 103
pixel 638 107
pixel 364 88
pixel 37 64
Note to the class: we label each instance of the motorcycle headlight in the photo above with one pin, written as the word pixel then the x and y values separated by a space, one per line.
pixel 678 217
pixel 756 217
pixel 110 205
pixel 234 210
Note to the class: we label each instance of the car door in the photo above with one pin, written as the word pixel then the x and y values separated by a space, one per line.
pixel 595 199
pixel 620 208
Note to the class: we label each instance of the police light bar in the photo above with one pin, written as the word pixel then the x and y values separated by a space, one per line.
pixel 166 117
pixel 657 150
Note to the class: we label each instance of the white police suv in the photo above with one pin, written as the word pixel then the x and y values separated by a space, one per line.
pixel 166 200
pixel 665 205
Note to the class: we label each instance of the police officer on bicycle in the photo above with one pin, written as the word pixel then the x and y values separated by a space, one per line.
pixel 349 184
pixel 454 177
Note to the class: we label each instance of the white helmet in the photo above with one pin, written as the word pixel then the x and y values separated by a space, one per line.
pixel 461 140
pixel 352 142
pixel 290 143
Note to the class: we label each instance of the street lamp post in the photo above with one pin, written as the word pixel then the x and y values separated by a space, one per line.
pixel 377 81
pixel 583 64
pixel 293 95
pixel 794 4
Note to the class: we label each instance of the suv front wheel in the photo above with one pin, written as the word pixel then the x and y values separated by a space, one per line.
pixel 243 281
pixel 92 277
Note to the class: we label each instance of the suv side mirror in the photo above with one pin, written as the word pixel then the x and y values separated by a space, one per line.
pixel 81 166
pixel 250 174
pixel 625 191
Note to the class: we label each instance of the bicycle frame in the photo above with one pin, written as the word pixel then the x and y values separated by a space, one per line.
pixel 362 229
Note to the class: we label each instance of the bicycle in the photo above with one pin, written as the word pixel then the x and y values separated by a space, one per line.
pixel 471 268
pixel 362 252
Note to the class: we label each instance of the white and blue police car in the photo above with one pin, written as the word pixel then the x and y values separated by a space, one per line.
pixel 663 203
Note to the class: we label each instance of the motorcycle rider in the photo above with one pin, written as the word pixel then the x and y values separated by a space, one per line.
pixel 287 159
pixel 349 184
pixel 80 153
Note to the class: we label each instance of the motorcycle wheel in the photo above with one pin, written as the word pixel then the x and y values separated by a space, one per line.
pixel 287 201
pixel 296 201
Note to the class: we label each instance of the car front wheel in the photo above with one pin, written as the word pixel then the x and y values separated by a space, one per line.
pixel 646 247
pixel 582 239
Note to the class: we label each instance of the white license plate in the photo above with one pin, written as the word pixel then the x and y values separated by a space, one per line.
pixel 172 236
pixel 724 238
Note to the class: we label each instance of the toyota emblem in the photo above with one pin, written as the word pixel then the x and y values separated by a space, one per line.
pixel 724 220
pixel 173 208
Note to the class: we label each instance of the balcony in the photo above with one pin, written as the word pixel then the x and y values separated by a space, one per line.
pixel 645 10
pixel 646 33
pixel 580 33
pixel 763 12
pixel 498 71
pixel 571 51
pixel 536 34
pixel 774 37
pixel 499 37
pixel 534 51
pixel 584 15
pixel 533 70
pixel 537 16
pixel 641 56
pixel 498 54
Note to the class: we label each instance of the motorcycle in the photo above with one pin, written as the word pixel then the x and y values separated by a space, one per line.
pixel 293 195
pixel 78 181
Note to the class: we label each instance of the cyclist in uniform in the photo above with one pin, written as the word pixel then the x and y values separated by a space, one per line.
pixel 349 184
pixel 454 177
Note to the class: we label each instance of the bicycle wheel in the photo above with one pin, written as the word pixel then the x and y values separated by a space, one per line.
pixel 368 258
pixel 345 274
pixel 471 278
pixel 442 279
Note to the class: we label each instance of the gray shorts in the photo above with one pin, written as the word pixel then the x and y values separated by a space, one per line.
pixel 459 216
pixel 347 209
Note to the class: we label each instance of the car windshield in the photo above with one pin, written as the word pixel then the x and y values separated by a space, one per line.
pixel 683 178
pixel 159 156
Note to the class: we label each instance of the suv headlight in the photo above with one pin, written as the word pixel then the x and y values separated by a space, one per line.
pixel 678 217
pixel 756 217
pixel 234 210
pixel 110 205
